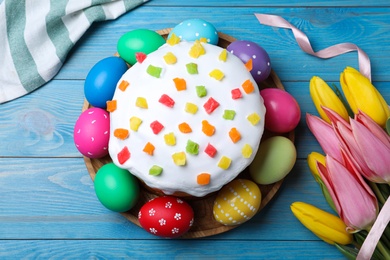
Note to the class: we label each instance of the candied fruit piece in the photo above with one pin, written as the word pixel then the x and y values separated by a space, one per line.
pixel 123 85
pixel 156 127
pixel 185 128
pixel 154 71
pixel 135 122
pixel 203 178
pixel 192 68
pixel 149 148
pixel 201 91
pixel 210 105
pixel 207 129
pixel 192 147
pixel 249 65
pixel 180 84
pixel 166 100
pixel 191 108
pixel 170 58
pixel 248 86
pixel 123 155
pixel 234 135
pixel 203 39
pixel 179 158
pixel 155 170
pixel 224 163
pixel 223 55
pixel 246 151
pixel 141 102
pixel 140 57
pixel 196 50
pixel 254 118
pixel 229 114
pixel 236 93
pixel 210 150
pixel 173 40
pixel 217 74
pixel 170 139
pixel 121 133
pixel 111 105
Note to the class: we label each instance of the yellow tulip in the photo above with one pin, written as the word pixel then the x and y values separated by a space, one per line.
pixel 324 225
pixel 312 159
pixel 362 95
pixel 323 95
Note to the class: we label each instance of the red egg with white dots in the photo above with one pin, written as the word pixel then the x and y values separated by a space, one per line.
pixel 91 133
pixel 166 216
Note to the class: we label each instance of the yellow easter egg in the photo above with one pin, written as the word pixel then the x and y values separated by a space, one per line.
pixel 237 202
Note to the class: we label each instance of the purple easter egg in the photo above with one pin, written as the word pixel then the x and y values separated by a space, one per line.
pixel 246 50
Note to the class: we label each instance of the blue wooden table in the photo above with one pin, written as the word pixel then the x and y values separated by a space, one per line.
pixel 48 207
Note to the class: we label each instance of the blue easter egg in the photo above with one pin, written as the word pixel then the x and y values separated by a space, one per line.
pixel 101 81
pixel 194 29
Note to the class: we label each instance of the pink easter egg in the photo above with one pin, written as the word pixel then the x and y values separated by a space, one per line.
pixel 92 132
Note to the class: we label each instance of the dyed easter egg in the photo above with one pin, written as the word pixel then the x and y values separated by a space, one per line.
pixel 91 133
pixel 101 81
pixel 117 189
pixel 283 112
pixel 195 29
pixel 237 202
pixel 254 56
pixel 166 216
pixel 274 160
pixel 138 41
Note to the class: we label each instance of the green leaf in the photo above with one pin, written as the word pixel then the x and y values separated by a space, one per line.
pixel 349 252
pixel 342 98
pixel 388 126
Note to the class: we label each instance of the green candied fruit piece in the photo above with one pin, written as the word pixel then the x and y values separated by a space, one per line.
pixel 201 91
pixel 192 147
pixel 154 71
pixel 229 114
pixel 192 68
pixel 155 170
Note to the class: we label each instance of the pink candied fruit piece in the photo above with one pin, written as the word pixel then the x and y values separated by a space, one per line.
pixel 140 56
pixel 236 93
pixel 210 150
pixel 156 127
pixel 123 155
pixel 210 105
pixel 166 100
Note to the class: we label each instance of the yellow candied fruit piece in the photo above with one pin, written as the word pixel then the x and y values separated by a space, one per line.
pixel 135 122
pixel 170 139
pixel 173 40
pixel 191 108
pixel 203 39
pixel 179 158
pixel 196 50
pixel 141 102
pixel 246 151
pixel 111 105
pixel 254 118
pixel 217 74
pixel 223 55
pixel 224 163
pixel 170 58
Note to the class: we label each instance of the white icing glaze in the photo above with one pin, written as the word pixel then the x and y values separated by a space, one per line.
pixel 184 178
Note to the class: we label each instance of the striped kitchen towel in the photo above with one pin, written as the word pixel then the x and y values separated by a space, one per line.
pixel 36 36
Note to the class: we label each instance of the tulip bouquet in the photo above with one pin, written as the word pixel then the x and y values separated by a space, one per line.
pixel 354 169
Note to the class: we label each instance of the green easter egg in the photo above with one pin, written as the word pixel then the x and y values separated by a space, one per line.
pixel 117 189
pixel 274 160
pixel 138 41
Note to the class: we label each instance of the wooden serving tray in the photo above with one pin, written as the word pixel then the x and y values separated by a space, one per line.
pixel 204 222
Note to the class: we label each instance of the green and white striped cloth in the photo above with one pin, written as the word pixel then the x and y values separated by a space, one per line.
pixel 37 35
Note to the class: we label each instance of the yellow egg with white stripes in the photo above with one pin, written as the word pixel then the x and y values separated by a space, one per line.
pixel 237 202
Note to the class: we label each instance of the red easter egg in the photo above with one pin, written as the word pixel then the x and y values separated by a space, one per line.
pixel 166 216
pixel 282 110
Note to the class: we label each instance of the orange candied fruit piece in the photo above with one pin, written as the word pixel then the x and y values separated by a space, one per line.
pixel 180 84
pixel 207 129
pixel 203 178
pixel 185 128
pixel 234 135
pixel 123 85
pixel 121 133
pixel 149 148
pixel 248 86
pixel 249 65
pixel 111 105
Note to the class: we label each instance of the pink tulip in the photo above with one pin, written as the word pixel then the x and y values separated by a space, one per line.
pixel 355 202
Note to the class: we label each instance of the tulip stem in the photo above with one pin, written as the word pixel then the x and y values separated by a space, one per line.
pixel 377 192
pixel 383 250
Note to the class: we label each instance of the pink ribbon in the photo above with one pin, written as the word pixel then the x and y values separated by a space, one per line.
pixel 304 43
pixel 383 218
